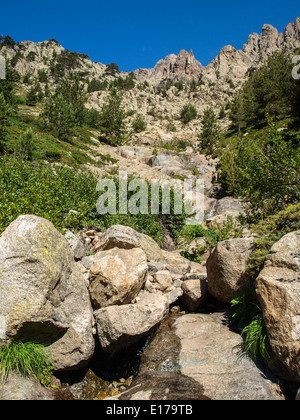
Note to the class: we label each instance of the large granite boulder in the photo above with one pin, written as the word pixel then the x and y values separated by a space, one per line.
pixel 117 276
pixel 278 290
pixel 194 293
pixel 124 237
pixel 43 296
pixel 226 268
pixel 119 327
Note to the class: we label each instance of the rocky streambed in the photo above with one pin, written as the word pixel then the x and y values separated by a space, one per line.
pixel 133 321
pixel 190 357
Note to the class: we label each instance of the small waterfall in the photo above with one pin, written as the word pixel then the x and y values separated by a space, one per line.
pixel 211 211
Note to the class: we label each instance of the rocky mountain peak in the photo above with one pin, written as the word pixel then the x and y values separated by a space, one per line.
pixel 183 66
pixel 187 65
pixel 235 64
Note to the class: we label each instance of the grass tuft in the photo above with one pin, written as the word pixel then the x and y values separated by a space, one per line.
pixel 25 359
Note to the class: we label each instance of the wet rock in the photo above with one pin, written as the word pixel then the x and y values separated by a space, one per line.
pixel 195 357
pixel 159 377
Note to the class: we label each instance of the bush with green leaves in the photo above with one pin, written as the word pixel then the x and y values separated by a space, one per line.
pixel 139 124
pixel 26 145
pixel 26 359
pixel 4 113
pixel 265 170
pixel 188 113
pixel 67 197
pixel 267 232
pixel 229 229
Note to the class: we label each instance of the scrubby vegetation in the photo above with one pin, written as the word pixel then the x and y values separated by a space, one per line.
pixel 67 197
pixel 260 154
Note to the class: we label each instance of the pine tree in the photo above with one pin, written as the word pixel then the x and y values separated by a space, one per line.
pixel 73 92
pixel 31 97
pixel 188 113
pixel 222 113
pixel 7 85
pixel 26 145
pixel 65 108
pixel 210 131
pixel 237 113
pixel 112 117
pixel 59 117
pixel 270 89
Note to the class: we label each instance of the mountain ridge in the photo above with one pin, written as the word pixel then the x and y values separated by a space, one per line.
pixel 158 94
pixel 257 48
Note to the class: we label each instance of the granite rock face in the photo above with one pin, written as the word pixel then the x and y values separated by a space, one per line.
pixel 43 295
pixel 278 290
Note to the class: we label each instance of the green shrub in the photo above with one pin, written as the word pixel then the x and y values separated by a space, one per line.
pixel 26 145
pixel 26 359
pixel 53 156
pixel 37 188
pixel 4 113
pixel 188 113
pixel 268 232
pixel 139 124
pixel 265 169
pixel 229 229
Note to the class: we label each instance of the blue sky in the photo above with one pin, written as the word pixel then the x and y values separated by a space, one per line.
pixel 138 33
